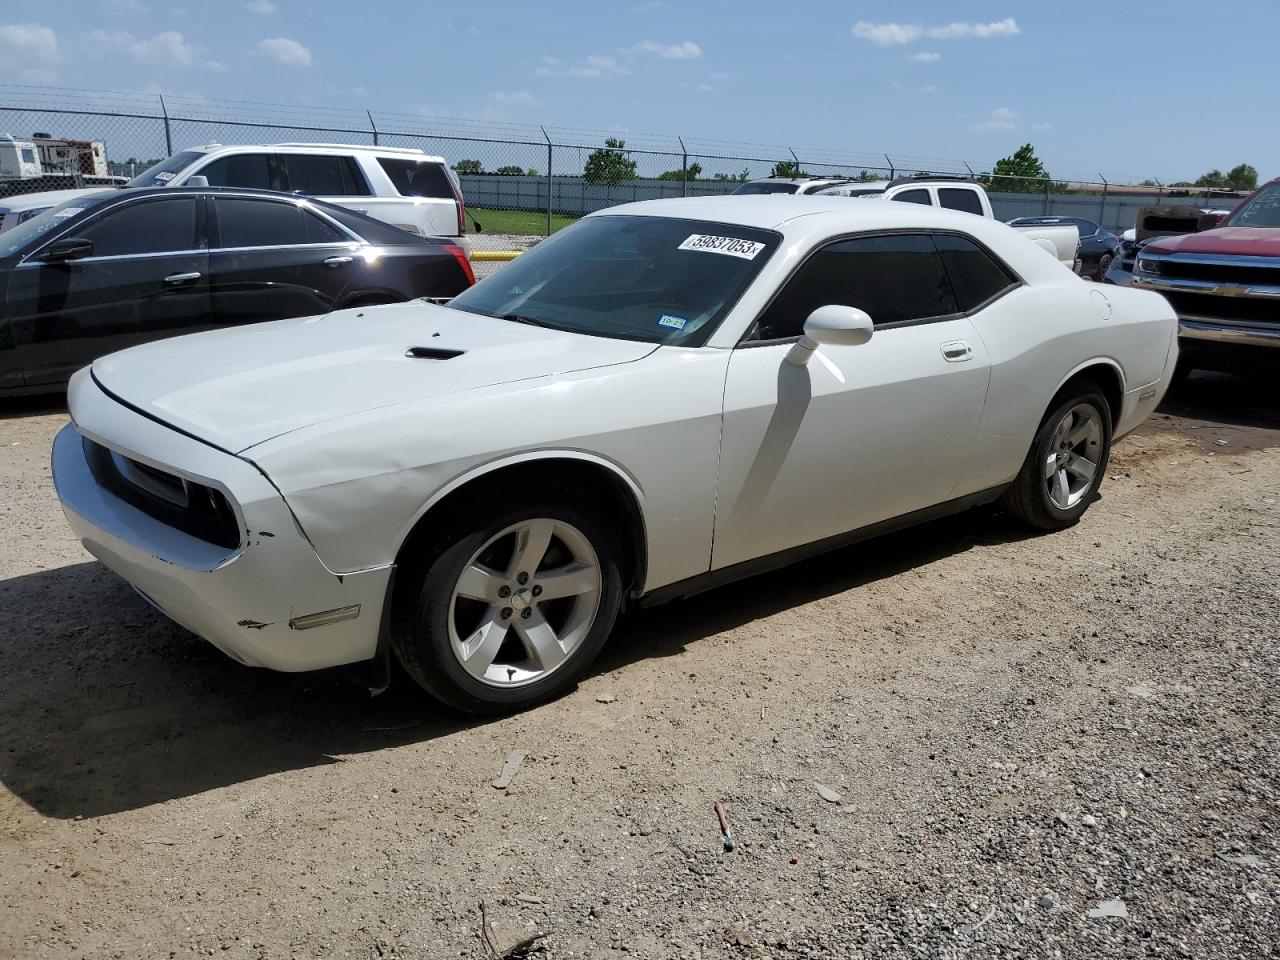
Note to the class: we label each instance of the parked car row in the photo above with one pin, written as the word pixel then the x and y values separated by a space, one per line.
pixel 104 270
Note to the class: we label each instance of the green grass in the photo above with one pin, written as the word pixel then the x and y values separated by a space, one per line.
pixel 529 223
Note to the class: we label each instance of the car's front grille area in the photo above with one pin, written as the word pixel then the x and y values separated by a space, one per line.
pixel 1210 272
pixel 195 509
pixel 1213 306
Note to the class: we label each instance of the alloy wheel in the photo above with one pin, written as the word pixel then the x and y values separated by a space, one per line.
pixel 1071 462
pixel 524 602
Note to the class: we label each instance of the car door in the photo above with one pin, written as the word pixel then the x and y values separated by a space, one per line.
pixel 146 278
pixel 860 434
pixel 273 258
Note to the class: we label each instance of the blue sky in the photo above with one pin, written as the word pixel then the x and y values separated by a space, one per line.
pixel 1083 81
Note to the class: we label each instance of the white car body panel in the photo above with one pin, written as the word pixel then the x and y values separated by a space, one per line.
pixel 730 453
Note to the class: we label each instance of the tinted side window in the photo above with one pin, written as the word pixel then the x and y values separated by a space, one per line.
pixel 957 198
pixel 894 278
pixel 1087 228
pixel 152 226
pixel 321 231
pixel 914 196
pixel 315 176
pixel 259 171
pixel 258 223
pixel 976 276
pixel 417 178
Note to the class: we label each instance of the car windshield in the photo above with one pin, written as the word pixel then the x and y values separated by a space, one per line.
pixel 767 188
pixel 1260 210
pixel 159 174
pixel 11 241
pixel 655 279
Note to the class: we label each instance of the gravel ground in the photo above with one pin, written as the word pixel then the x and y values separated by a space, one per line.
pixel 957 741
pixel 497 241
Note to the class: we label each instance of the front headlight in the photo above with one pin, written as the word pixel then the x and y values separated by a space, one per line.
pixel 1148 265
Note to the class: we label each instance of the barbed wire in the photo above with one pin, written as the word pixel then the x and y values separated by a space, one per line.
pixel 357 122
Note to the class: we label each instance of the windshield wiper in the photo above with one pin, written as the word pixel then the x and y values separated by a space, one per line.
pixel 531 321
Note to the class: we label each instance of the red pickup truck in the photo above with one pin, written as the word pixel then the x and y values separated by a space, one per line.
pixel 1223 282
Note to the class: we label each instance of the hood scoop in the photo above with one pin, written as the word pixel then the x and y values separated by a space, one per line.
pixel 432 353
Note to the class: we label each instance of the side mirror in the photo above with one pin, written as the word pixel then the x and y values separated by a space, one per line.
pixel 68 248
pixel 196 181
pixel 834 325
pixel 1208 221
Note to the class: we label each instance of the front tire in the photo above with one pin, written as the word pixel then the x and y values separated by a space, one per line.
pixel 1066 463
pixel 1104 264
pixel 511 605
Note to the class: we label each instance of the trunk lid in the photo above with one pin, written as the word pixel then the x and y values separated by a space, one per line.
pixel 241 386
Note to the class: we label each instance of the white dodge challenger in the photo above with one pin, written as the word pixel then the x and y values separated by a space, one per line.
pixel 660 398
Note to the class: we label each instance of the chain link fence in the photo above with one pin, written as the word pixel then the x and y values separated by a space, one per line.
pixel 519 181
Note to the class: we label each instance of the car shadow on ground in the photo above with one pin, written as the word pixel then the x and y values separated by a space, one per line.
pixel 106 706
pixel 16 408
pixel 1245 399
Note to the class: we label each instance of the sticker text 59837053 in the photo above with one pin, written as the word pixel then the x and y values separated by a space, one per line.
pixel 732 246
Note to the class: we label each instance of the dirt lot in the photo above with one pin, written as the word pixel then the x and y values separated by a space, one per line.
pixel 1008 731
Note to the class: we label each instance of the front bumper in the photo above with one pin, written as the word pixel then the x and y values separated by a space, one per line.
pixel 1217 331
pixel 267 602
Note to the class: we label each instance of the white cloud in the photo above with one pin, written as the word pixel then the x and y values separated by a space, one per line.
pixel 263 8
pixel 128 8
pixel 285 51
pixel 649 6
pixel 169 48
pixel 514 98
pixel 898 34
pixel 1001 118
pixel 925 56
pixel 28 51
pixel 688 50
pixel 887 34
pixel 1008 27
pixel 596 65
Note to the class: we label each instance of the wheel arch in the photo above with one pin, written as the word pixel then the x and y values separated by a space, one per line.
pixel 608 483
pixel 1103 371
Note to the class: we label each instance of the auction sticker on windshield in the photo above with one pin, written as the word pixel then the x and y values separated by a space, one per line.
pixel 731 246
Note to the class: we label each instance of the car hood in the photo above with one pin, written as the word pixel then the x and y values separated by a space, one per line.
pixel 236 388
pixel 1239 241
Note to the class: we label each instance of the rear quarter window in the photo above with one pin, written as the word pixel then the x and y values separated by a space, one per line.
pixel 977 277
pixel 417 178
pixel 913 196
pixel 957 198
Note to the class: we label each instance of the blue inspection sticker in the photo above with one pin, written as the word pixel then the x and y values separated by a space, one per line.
pixel 667 320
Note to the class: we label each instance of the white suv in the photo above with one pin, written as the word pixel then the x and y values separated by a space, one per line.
pixel 404 187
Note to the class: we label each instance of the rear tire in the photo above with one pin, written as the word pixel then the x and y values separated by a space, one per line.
pixel 1066 462
pixel 509 605
pixel 1104 264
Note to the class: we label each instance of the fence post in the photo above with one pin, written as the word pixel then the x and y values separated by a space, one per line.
pixel 1047 185
pixel 372 126
pixel 550 183
pixel 1159 190
pixel 889 161
pixel 168 134
pixel 1102 210
pixel 795 160
pixel 684 167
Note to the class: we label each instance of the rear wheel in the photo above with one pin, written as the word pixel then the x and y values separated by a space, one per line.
pixel 1064 468
pixel 509 609
pixel 1104 265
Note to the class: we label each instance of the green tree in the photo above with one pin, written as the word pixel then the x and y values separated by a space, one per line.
pixel 866 176
pixel 741 177
pixel 469 166
pixel 1243 177
pixel 1214 179
pixel 1020 172
pixel 510 170
pixel 532 172
pixel 609 164
pixel 788 169
pixel 694 170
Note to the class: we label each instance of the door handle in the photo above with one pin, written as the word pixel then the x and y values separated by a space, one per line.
pixel 174 279
pixel 957 351
pixel 334 262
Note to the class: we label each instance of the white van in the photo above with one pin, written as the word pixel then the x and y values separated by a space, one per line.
pixel 404 187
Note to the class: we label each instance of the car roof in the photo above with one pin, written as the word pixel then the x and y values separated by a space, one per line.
pixel 293 146
pixel 816 218
pixel 804 180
